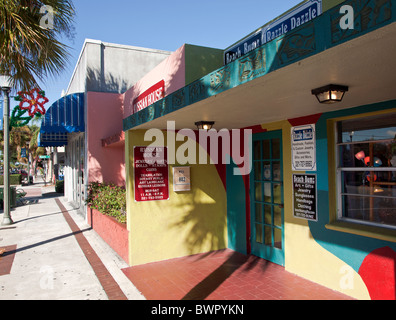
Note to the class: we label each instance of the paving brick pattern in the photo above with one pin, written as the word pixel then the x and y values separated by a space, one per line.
pixel 224 275
pixel 6 259
pixel 107 281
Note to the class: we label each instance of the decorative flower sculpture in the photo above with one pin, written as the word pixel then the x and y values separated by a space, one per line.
pixel 35 100
pixel 31 102
pixel 17 120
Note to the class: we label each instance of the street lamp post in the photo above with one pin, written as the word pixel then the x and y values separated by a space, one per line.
pixel 5 85
pixel 28 162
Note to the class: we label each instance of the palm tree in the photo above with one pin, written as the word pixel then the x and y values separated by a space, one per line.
pixel 23 137
pixel 30 48
pixel 34 149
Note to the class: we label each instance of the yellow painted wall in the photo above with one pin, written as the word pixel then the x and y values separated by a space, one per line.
pixel 303 255
pixel 188 223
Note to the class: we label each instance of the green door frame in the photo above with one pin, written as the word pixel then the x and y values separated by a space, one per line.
pixel 267 198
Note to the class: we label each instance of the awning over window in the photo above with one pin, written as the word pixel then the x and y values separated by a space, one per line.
pixel 64 116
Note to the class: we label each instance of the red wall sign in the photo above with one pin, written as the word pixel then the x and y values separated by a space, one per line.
pixel 150 96
pixel 151 173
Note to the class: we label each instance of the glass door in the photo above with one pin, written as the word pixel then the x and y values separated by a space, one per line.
pixel 266 181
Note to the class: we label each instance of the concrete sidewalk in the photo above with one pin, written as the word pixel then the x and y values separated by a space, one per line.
pixel 52 257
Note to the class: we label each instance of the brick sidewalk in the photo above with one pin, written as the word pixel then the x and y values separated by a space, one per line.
pixel 224 275
pixel 52 254
pixel 108 283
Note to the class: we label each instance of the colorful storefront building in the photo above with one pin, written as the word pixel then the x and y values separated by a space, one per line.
pixel 103 72
pixel 109 81
pixel 307 185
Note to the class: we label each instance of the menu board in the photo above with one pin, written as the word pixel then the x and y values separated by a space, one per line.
pixel 304 196
pixel 151 173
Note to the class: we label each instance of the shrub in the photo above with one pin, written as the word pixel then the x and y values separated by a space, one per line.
pixel 15 179
pixel 60 186
pixel 108 199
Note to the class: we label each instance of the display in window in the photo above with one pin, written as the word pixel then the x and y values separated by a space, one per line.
pixel 367 169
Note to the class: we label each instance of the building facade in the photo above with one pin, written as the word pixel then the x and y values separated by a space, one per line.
pixel 76 122
pixel 307 185
pixel 295 171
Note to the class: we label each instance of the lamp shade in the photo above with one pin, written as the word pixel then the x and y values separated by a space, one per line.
pixel 330 94
pixel 5 81
pixel 204 125
pixel 360 155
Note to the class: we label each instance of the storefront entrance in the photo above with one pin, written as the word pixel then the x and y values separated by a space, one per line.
pixel 74 170
pixel 267 230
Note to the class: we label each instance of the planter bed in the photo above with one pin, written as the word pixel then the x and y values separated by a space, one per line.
pixel 114 233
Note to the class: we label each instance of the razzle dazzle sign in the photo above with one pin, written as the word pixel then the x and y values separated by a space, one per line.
pixel 295 18
pixel 300 15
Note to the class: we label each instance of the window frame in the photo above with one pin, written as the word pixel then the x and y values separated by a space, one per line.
pixel 337 219
pixel 341 193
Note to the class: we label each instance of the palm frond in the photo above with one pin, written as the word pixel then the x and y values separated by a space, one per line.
pixel 29 52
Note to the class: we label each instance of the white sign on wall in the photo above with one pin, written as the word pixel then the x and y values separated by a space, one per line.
pixel 303 148
pixel 181 179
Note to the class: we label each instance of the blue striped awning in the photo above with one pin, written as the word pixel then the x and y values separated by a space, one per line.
pixel 64 116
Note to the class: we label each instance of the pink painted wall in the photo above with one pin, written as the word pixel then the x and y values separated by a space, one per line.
pixel 171 70
pixel 106 112
pixel 110 230
pixel 104 119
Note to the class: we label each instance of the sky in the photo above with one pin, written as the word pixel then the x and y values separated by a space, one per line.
pixel 165 25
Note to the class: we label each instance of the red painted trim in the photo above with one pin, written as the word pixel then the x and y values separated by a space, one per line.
pixel 305 120
pixel 7 259
pixel 256 129
pixel 378 273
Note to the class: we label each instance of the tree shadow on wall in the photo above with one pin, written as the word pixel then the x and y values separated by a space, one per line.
pixel 206 231
pixel 204 224
pixel 100 81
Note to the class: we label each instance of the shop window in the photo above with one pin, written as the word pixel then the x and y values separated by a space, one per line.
pixel 366 170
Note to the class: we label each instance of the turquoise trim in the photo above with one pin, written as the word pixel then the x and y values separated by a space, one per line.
pixel 307 40
pixel 350 248
pixel 270 253
pixel 236 210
